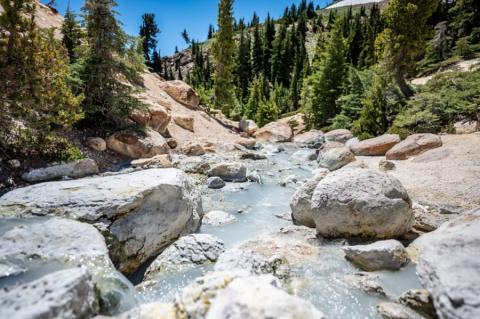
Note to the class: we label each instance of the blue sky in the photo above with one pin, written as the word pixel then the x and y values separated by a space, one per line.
pixel 194 15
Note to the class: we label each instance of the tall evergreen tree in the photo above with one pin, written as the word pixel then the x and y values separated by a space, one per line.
pixel 257 51
pixel 108 99
pixel 269 38
pixel 186 36
pixel 224 53
pixel 33 90
pixel 400 44
pixel 148 33
pixel 243 65
pixel 324 86
pixel 211 31
pixel 72 34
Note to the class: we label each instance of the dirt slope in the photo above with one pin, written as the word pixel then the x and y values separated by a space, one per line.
pixel 206 128
pixel 449 175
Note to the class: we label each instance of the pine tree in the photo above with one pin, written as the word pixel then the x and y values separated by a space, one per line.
pixel 257 51
pixel 324 86
pixel 72 34
pixel 34 89
pixel 400 44
pixel 211 32
pixel 148 33
pixel 186 36
pixel 108 99
pixel 157 64
pixel 224 53
pixel 269 38
pixel 267 111
pixel 255 98
pixel 243 65
pixel 255 20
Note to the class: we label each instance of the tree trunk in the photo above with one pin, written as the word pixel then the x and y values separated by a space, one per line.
pixel 403 85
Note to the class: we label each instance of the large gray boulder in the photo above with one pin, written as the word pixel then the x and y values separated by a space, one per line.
pixel 312 139
pixel 392 310
pixel 259 298
pixel 187 252
pixel 63 294
pixel 356 202
pixel 141 212
pixel 449 266
pixel 381 255
pixel 340 135
pixel 413 145
pixel 301 203
pixel 238 294
pixel 248 126
pixel 75 169
pixel 229 172
pixel 334 157
pixel 375 146
pixel 66 242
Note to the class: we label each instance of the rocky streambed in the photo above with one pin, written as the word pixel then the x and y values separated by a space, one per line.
pixel 216 238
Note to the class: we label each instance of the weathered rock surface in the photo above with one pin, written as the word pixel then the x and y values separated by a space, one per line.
pixel 215 183
pixel 185 122
pixel 376 146
pixel 386 166
pixel 259 298
pixel 340 135
pixel 182 93
pixel 466 127
pixel 136 146
pixel 449 266
pixel 248 126
pixel 159 161
pixel 381 255
pixel 303 156
pixel 76 169
pixel 392 310
pixel 186 252
pixel 248 143
pixel 142 212
pixel 148 311
pixel 253 156
pixel 64 294
pixel 413 145
pixel 193 149
pixel 97 144
pixel 365 282
pixel 229 172
pixel 274 132
pixel 419 300
pixel 312 138
pixel 333 158
pixel 428 219
pixel 301 203
pixel 155 116
pixel 360 202
pixel 218 218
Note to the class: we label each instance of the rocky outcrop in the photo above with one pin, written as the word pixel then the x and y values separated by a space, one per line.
pixel 274 132
pixel 75 169
pixel 193 149
pixel 392 310
pixel 238 295
pixel 229 172
pixel 135 145
pixel 419 300
pixel 448 266
pixel 376 146
pixel 65 294
pixel 340 135
pixel 159 161
pixel 381 255
pixel 259 298
pixel 301 203
pixel 466 127
pixel 97 144
pixel 414 145
pixel 184 121
pixel 182 93
pixel 359 202
pixel 248 126
pixel 333 157
pixel 218 218
pixel 154 115
pixel 311 139
pixel 140 212
pixel 186 252
pixel 215 183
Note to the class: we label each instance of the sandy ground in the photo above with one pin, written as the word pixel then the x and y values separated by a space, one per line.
pixel 449 175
